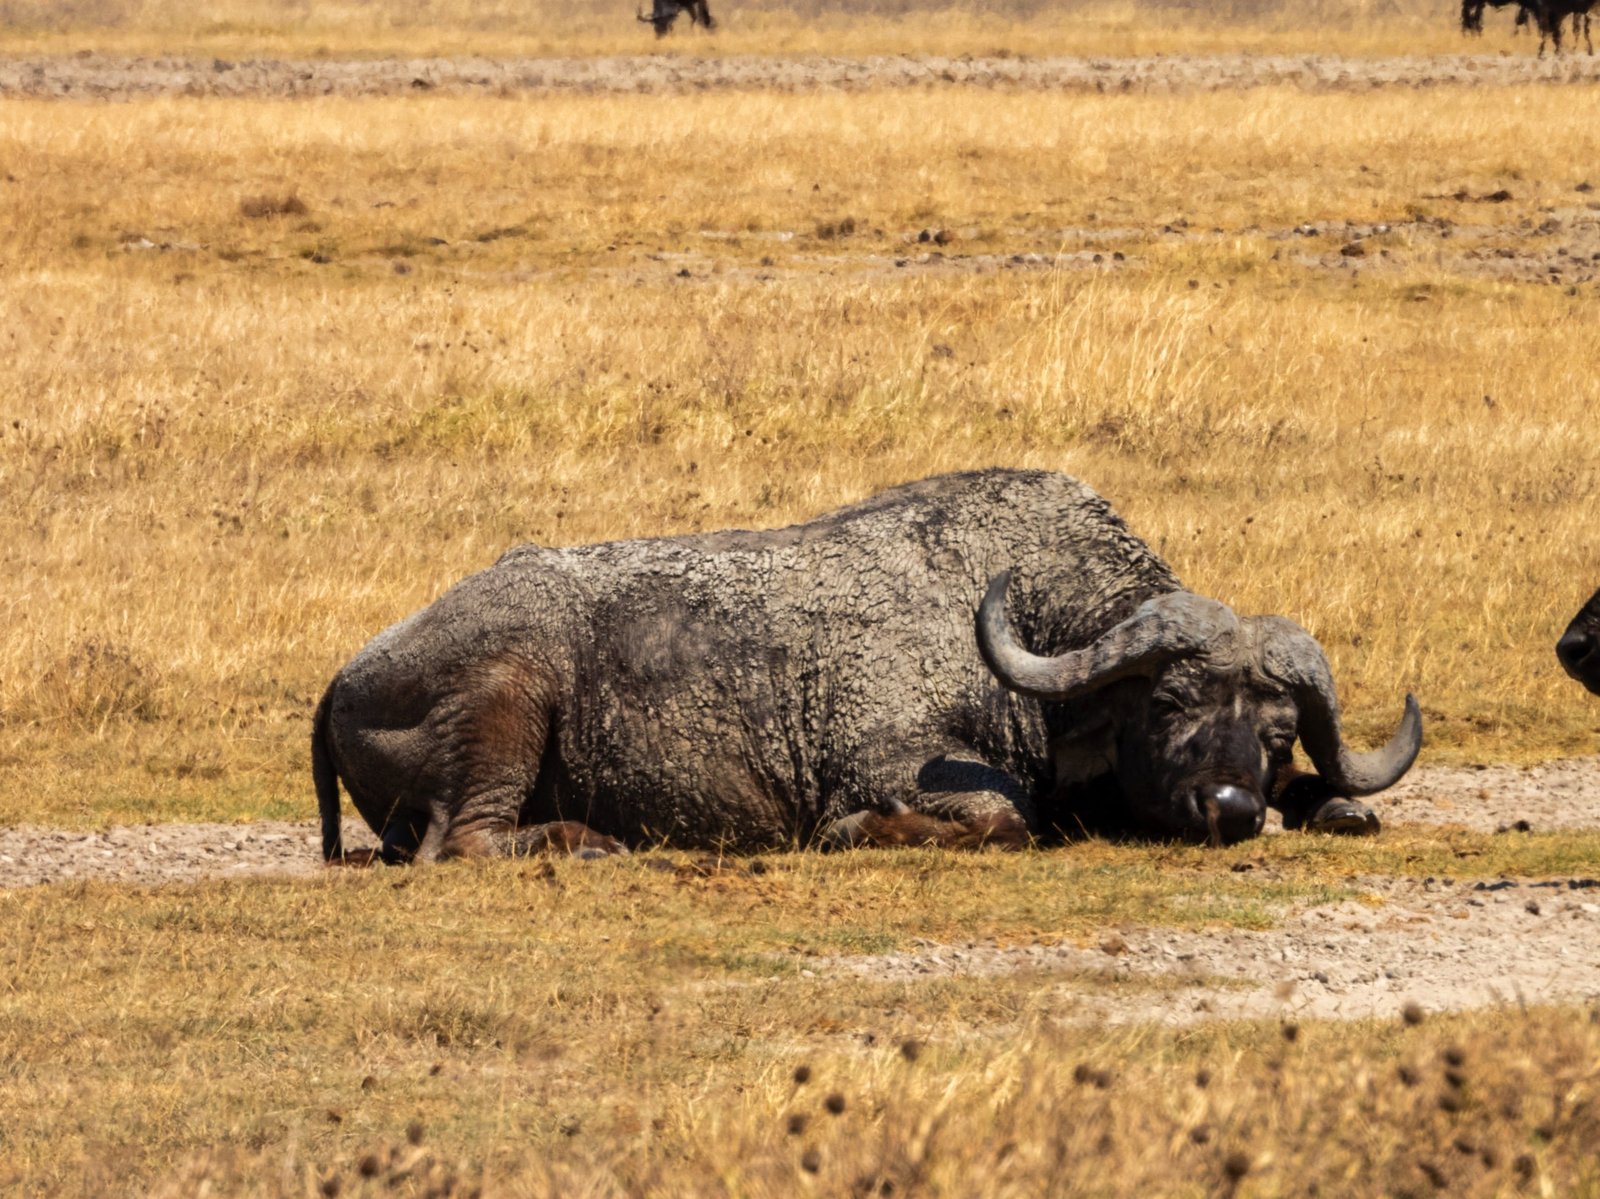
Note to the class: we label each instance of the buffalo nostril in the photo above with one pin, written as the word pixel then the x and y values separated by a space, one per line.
pixel 1575 646
pixel 1231 813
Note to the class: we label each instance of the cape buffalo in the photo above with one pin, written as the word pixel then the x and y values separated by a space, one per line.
pixel 1472 12
pixel 1551 13
pixel 1579 647
pixel 824 682
pixel 664 14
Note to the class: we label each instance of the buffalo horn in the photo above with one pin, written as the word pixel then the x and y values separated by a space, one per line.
pixel 1292 655
pixel 1166 627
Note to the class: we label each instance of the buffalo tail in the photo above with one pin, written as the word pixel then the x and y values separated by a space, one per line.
pixel 326 778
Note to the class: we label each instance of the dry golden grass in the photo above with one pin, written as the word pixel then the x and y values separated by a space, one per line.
pixel 415 28
pixel 633 1027
pixel 237 445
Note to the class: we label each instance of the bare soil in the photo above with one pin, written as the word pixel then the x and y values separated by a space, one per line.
pixel 1436 942
pixel 89 75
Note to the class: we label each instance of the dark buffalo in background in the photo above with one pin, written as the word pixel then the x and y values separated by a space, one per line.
pixel 1472 12
pixel 1579 647
pixel 827 683
pixel 665 13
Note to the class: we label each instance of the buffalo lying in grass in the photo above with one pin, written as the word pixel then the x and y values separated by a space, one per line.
pixel 822 683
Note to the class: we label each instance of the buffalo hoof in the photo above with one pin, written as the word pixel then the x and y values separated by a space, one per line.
pixel 358 859
pixel 568 837
pixel 847 832
pixel 1345 817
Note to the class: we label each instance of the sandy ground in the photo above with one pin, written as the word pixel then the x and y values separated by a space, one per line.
pixel 1436 942
pixel 89 75
pixel 1563 794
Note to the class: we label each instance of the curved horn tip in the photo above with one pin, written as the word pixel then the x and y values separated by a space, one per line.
pixel 1367 774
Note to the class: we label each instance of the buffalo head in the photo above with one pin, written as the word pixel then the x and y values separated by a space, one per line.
pixel 1195 710
pixel 1579 647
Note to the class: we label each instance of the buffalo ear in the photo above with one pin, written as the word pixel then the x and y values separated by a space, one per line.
pixel 1085 752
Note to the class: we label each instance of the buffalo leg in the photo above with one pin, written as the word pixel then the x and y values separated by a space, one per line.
pixel 565 836
pixel 920 829
pixel 1307 801
pixel 952 800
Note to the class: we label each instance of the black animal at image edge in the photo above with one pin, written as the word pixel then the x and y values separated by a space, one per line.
pixel 823 683
pixel 1547 16
pixel 1579 647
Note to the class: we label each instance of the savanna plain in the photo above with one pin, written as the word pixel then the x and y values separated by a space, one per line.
pixel 279 370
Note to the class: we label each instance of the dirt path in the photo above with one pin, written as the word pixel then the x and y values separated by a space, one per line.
pixel 1437 943
pixel 1440 943
pixel 1564 794
pixel 113 78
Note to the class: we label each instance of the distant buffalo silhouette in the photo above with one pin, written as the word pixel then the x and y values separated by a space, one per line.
pixel 1472 12
pixel 666 12
pixel 1551 13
